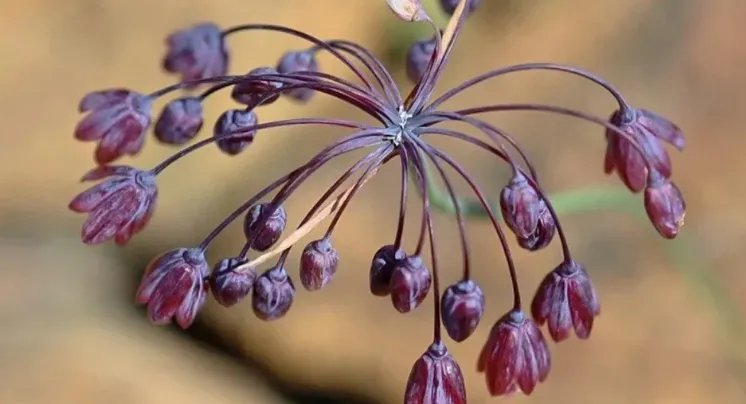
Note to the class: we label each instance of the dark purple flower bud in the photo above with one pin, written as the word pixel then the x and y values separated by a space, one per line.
pixel 382 268
pixel 174 286
pixel 318 264
pixel 267 233
pixel 520 205
pixel 418 58
pixel 198 52
pixel 240 125
pixel 665 206
pixel 251 92
pixel 180 121
pixel 649 131
pixel 296 62
pixel 118 120
pixel 462 306
pixel 410 283
pixel 515 356
pixel 228 286
pixel 566 300
pixel 544 233
pixel 449 6
pixel 435 378
pixel 273 294
pixel 119 207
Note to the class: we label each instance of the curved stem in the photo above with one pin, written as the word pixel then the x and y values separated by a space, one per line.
pixel 290 187
pixel 500 233
pixel 274 124
pixel 534 184
pixel 433 250
pixel 333 188
pixel 488 129
pixel 425 90
pixel 339 148
pixel 459 211
pixel 316 41
pixel 402 199
pixel 524 67
pixel 567 112
pixel 333 86
pixel 492 132
pixel 374 65
pixel 382 158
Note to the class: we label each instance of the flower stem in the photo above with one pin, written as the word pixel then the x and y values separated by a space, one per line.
pixel 684 258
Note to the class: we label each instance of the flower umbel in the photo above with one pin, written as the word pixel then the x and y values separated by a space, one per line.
pixel 516 356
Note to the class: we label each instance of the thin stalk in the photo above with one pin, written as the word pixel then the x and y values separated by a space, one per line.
pixel 525 67
pixel 500 233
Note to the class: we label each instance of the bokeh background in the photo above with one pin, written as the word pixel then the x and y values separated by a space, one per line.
pixel 670 329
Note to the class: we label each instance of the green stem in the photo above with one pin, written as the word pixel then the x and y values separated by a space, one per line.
pixel 681 252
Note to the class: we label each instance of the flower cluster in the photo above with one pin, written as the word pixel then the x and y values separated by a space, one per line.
pixel 516 355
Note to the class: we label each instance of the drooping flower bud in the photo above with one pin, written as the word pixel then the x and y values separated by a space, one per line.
pixel 418 57
pixel 544 233
pixel 665 206
pixel 410 283
pixel 273 294
pixel 173 285
pixel 295 62
pixel 649 130
pixel 252 91
pixel 520 205
pixel 118 120
pixel 230 287
pixel 515 356
pixel 318 264
pixel 240 125
pixel 435 378
pixel 462 306
pixel 119 207
pixel 180 121
pixel 265 234
pixel 566 300
pixel 197 52
pixel 382 268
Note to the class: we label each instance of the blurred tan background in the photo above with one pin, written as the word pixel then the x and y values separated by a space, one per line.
pixel 70 333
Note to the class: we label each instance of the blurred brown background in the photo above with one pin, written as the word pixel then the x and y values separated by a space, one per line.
pixel 70 333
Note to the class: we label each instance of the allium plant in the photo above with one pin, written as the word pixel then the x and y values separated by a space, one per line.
pixel 515 356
